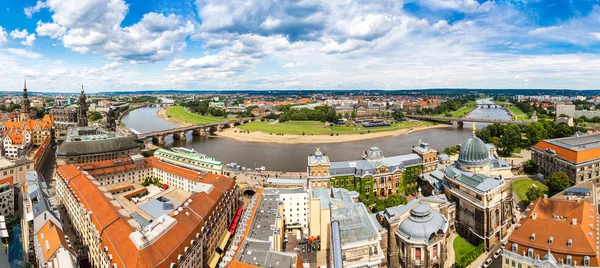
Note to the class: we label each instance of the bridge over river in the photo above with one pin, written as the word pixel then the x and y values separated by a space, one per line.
pixel 460 120
pixel 197 130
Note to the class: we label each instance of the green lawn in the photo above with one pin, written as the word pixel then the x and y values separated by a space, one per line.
pixel 319 128
pixel 520 115
pixel 179 113
pixel 463 111
pixel 521 186
pixel 461 248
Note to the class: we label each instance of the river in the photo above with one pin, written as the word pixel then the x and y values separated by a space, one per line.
pixel 293 157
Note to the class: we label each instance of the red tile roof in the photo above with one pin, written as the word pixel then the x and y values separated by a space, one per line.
pixel 554 218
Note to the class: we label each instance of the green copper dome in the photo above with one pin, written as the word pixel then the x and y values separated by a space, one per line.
pixel 474 152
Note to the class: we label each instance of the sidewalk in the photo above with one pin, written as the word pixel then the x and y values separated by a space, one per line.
pixel 450 260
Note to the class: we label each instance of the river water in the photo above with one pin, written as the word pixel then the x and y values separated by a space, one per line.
pixel 293 157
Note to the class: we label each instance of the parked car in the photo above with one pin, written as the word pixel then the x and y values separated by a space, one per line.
pixel 498 253
pixel 487 262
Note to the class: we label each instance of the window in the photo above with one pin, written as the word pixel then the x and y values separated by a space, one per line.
pixel 569 243
pixel 515 247
pixel 530 253
pixel 367 189
pixel 506 261
pixel 435 251
pixel 513 264
pixel 569 258
pixel 586 261
pixel 418 254
pixel 550 240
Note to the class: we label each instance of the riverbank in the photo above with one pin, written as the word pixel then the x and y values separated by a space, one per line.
pixel 261 137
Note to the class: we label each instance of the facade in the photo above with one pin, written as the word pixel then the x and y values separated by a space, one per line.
pixel 129 169
pixel 484 202
pixel 20 135
pixel 295 208
pixel 190 159
pixel 111 121
pixel 117 233
pixel 554 233
pixel 579 157
pixel 417 232
pixel 64 118
pixel 427 154
pixel 320 221
pixel 17 169
pixel 7 197
pixel 15 142
pixel 567 109
pixel 82 118
pixel 365 110
pixel 89 144
pixel 376 176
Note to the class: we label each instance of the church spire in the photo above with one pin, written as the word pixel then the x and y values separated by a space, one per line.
pixel 24 83
pixel 81 89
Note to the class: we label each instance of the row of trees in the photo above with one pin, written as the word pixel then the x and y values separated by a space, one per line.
pixel 510 136
pixel 321 113
pixel 202 107
pixel 391 201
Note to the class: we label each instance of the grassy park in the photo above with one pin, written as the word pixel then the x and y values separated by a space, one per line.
pixel 179 113
pixel 319 128
pixel 518 114
pixel 464 252
pixel 521 186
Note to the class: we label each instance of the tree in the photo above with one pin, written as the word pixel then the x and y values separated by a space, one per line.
pixel 557 182
pixel 353 115
pixel 511 139
pixel 397 114
pixel 535 132
pixel 95 116
pixel 533 193
pixel 331 116
pixel 562 130
pixel 530 167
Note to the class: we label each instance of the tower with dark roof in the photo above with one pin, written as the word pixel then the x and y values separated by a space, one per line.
pixel 25 102
pixel 111 122
pixel 82 119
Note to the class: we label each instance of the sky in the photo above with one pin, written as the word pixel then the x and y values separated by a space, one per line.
pixel 123 45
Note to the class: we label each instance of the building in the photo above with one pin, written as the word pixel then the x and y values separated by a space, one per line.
pixel 82 118
pixel 484 201
pixel 53 249
pixel 554 233
pixel 111 120
pixel 170 228
pixel 428 155
pixel 355 239
pixel 320 221
pixel 579 157
pixel 375 176
pixel 417 232
pixel 89 144
pixel 38 208
pixel 17 169
pixel 295 208
pixel 190 159
pixel 15 142
pixel 566 109
pixel 125 170
pixel 7 197
pixel 64 118
pixel 25 106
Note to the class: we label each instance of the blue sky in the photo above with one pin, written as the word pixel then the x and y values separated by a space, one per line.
pixel 111 45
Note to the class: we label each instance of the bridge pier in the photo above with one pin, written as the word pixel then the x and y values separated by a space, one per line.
pixel 460 123
pixel 179 136
pixel 160 140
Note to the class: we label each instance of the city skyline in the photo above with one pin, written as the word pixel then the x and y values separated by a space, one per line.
pixel 125 45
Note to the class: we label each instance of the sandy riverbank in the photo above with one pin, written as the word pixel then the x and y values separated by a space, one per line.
pixel 261 137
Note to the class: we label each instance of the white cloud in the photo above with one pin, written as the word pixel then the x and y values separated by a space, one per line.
pixel 545 30
pixel 93 26
pixel 111 66
pixel 24 53
pixel 3 36
pixel 333 47
pixel 296 64
pixel 29 11
pixel 28 40
pixel 16 34
pixel 51 30
pixel 595 35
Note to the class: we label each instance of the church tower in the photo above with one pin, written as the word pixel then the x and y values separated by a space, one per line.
pixel 82 119
pixel 24 103
pixel 111 122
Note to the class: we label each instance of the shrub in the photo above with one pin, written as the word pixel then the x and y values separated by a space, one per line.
pixel 470 257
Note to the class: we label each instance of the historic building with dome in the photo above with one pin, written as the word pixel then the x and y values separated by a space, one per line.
pixel 483 198
pixel 418 232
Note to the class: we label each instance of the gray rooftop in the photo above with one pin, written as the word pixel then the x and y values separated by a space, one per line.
pixel 360 168
pixel 355 223
pixel 323 195
pixel 76 146
pixel 259 254
pixel 158 207
pixel 478 182
pixel 580 143
pixel 278 181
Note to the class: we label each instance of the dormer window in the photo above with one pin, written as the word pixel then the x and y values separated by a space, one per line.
pixel 569 258
pixel 570 243
pixel 550 240
pixel 586 260
pixel 530 253
pixel 532 236
pixel 515 247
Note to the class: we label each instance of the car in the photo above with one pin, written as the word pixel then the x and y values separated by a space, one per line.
pixel 487 262
pixel 498 253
